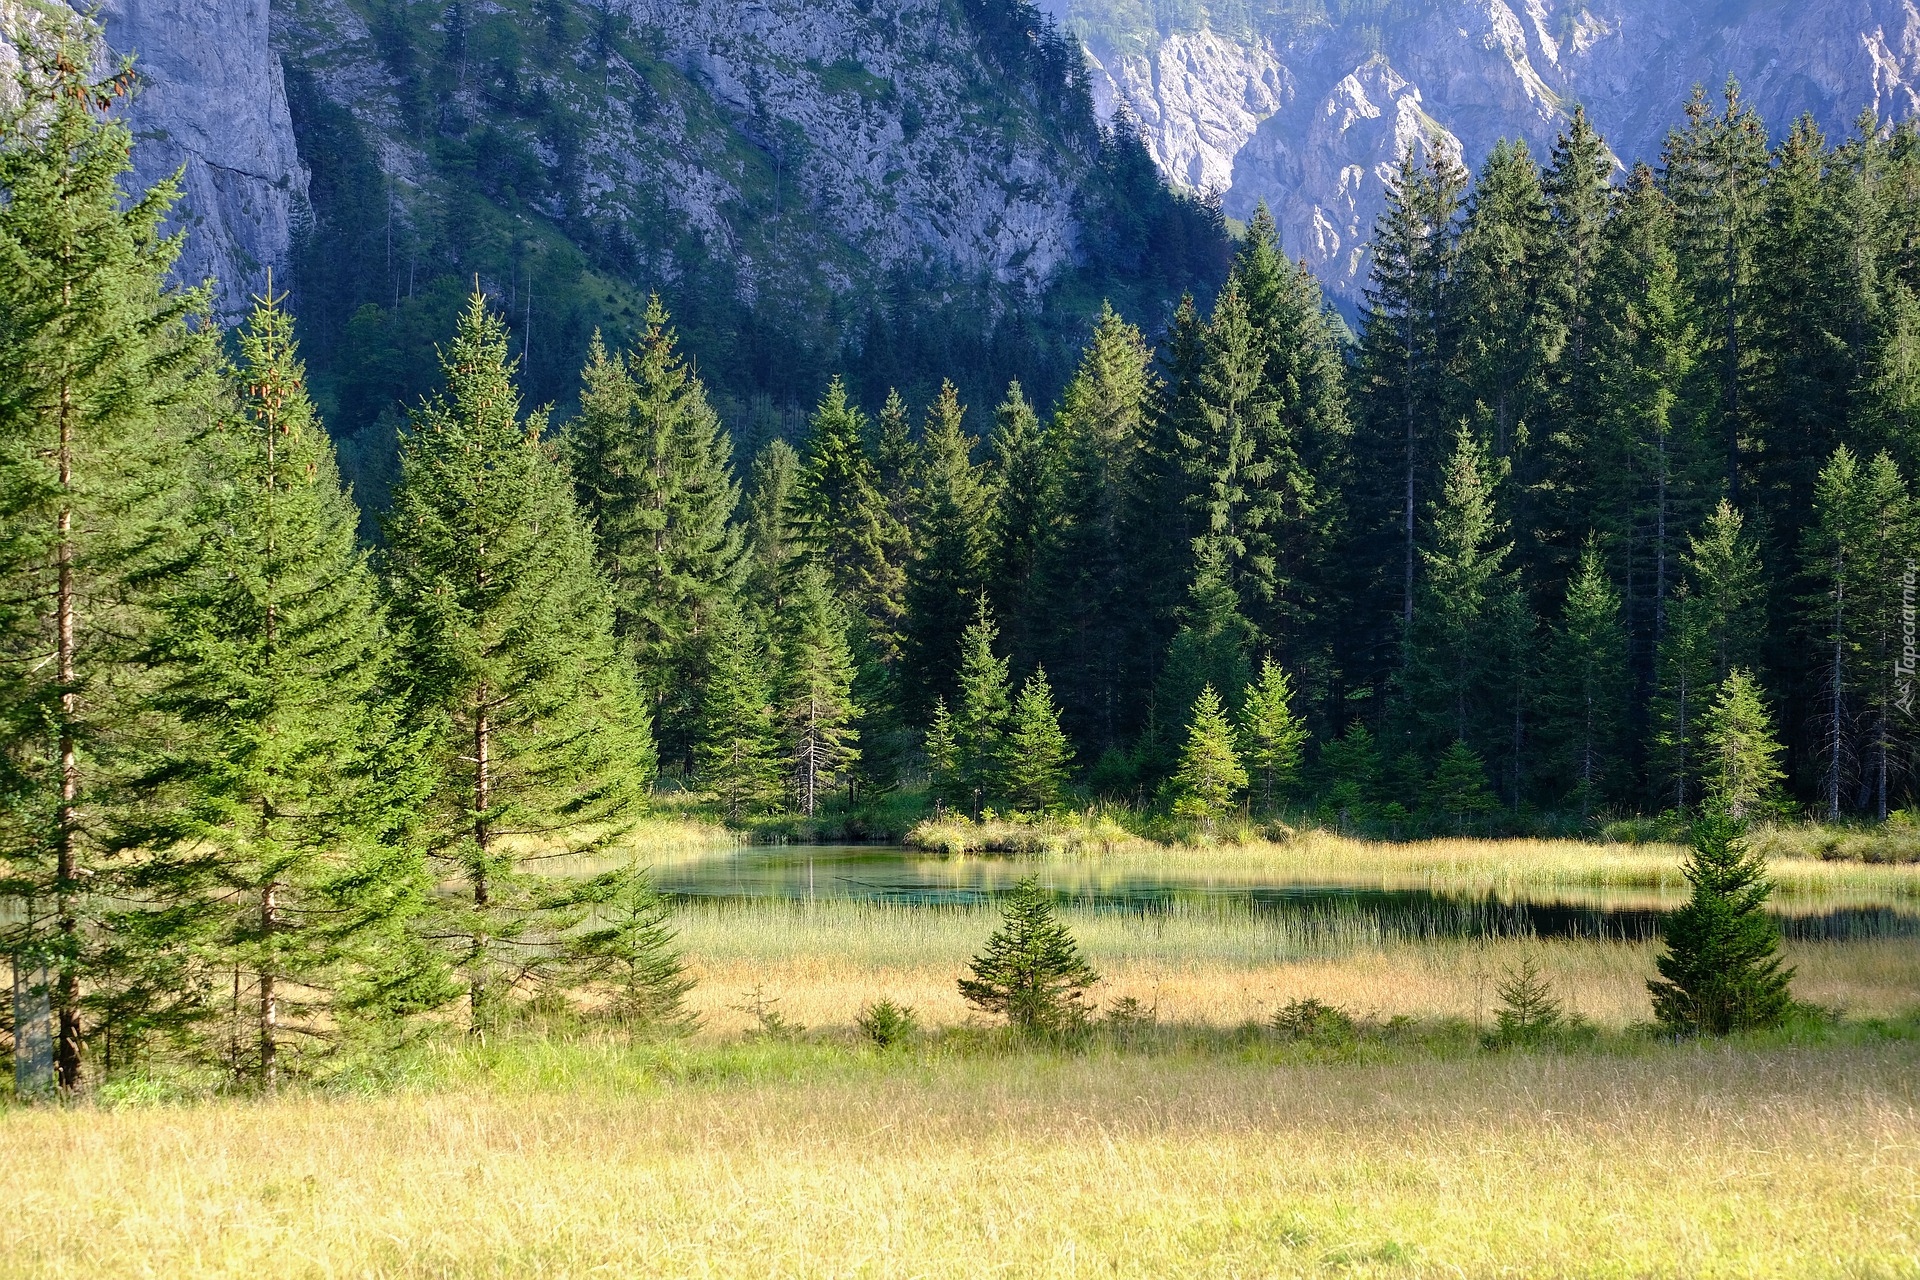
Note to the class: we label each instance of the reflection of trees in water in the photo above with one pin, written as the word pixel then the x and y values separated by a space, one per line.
pixel 1336 915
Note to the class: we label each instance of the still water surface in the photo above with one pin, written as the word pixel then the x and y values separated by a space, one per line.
pixel 897 876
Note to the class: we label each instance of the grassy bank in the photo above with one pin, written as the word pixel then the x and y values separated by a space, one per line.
pixel 565 1160
pixel 1276 855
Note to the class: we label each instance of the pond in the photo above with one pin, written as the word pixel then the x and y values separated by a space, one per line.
pixel 897 876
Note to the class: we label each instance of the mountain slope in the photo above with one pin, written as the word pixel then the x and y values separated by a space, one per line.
pixel 898 190
pixel 1308 103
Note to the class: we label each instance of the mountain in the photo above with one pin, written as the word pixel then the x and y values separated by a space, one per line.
pixel 893 190
pixel 1307 104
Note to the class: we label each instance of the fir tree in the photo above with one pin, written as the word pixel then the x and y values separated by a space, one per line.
pixel 1210 774
pixel 652 469
pixel 1589 684
pixel 1685 688
pixel 980 720
pixel 738 754
pixel 1031 970
pixel 100 361
pixel 1722 968
pixel 1743 774
pixel 506 628
pixel 1273 738
pixel 950 576
pixel 271 805
pixel 1038 755
pixel 818 713
pixel 1723 569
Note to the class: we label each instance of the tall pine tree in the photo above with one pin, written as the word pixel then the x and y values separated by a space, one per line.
pixel 506 628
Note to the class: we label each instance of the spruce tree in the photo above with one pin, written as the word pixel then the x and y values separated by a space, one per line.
pixel 1458 789
pixel 1684 672
pixel 506 629
pixel 1082 618
pixel 1723 569
pixel 1037 754
pixel 1588 692
pixel 1471 621
pixel 626 948
pixel 981 709
pixel 944 782
pixel 1273 737
pixel 773 534
pixel 1400 441
pixel 278 808
pixel 101 363
pixel 652 469
pixel 1022 477
pixel 1722 968
pixel 818 713
pixel 1349 769
pixel 1212 647
pixel 738 753
pixel 842 518
pixel 1031 970
pixel 1714 170
pixel 950 576
pixel 1209 776
pixel 1742 752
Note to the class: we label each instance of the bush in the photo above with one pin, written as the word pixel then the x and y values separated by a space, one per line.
pixel 1314 1021
pixel 887 1024
pixel 1031 970
pixel 1722 969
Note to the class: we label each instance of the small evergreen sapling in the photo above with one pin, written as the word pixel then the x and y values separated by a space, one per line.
pixel 1210 775
pixel 1038 755
pixel 1528 1014
pixel 627 947
pixel 1458 788
pixel 1031 971
pixel 887 1024
pixel 1743 754
pixel 1722 968
pixel 943 759
pixel 1273 738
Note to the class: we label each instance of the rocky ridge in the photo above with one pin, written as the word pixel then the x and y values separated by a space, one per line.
pixel 1310 110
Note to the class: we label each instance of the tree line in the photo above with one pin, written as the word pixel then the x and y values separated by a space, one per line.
pixel 1609 491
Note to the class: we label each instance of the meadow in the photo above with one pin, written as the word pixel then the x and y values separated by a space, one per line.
pixel 1186 1137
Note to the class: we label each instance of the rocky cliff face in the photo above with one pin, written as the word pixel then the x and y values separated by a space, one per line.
pixel 213 104
pixel 1309 109
pixel 815 146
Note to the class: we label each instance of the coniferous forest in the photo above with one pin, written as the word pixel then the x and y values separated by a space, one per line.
pixel 1603 513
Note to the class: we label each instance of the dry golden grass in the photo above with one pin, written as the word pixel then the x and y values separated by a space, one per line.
pixel 1685 1162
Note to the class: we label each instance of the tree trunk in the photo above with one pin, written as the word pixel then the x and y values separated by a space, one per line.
pixel 269 993
pixel 66 827
pixel 482 840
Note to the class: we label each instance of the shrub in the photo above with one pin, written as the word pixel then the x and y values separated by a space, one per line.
pixel 1031 970
pixel 887 1024
pixel 1314 1021
pixel 1722 968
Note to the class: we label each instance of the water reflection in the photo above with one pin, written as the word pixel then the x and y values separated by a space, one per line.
pixel 905 877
